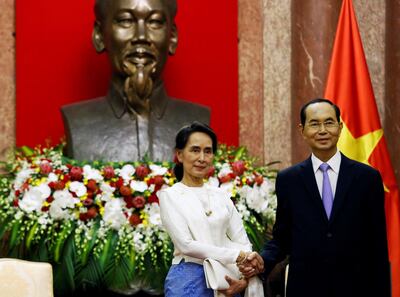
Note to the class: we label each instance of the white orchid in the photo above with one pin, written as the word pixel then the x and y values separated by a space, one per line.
pixel 157 170
pixel 91 173
pixel 113 215
pixel 138 186
pixel 78 188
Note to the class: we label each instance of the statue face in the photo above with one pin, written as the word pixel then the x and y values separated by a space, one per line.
pixel 137 34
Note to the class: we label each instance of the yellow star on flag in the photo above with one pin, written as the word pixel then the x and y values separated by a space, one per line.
pixel 361 148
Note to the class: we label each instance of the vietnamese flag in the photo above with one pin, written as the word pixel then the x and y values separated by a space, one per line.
pixel 349 86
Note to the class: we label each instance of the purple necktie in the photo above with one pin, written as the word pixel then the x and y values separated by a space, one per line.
pixel 327 196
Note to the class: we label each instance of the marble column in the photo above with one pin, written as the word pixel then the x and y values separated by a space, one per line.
pixel 392 90
pixel 277 72
pixel 251 110
pixel 313 29
pixel 7 77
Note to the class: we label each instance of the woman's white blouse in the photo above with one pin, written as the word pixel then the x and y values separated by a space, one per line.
pixel 195 235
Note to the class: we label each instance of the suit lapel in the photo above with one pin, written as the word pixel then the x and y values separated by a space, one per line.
pixel 344 180
pixel 308 177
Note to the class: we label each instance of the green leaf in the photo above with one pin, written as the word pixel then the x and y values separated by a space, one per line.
pixel 239 153
pixel 89 247
pixel 30 236
pixel 107 250
pixel 4 226
pixel 14 234
pixel 61 238
pixel 27 151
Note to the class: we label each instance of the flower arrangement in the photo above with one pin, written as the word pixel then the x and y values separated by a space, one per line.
pixel 99 223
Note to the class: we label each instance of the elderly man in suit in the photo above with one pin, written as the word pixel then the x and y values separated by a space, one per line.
pixel 330 219
pixel 137 118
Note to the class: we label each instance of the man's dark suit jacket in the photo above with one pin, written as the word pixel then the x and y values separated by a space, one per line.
pixel 104 129
pixel 345 256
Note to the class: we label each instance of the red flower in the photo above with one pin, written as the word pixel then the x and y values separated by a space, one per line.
pixel 76 173
pixel 87 202
pixel 66 178
pixel 128 201
pixel 153 199
pixel 211 171
pixel 45 208
pixel 83 216
pixel 59 185
pixel 138 202
pixel 109 172
pixel 238 167
pixel 16 202
pixel 119 183
pixel 92 213
pixel 50 199
pixel 159 180
pixel 125 191
pixel 92 185
pixel 225 179
pixel 135 219
pixel 45 168
pixel 142 171
pixel 259 180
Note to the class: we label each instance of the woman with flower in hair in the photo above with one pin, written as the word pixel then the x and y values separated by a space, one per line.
pixel 202 221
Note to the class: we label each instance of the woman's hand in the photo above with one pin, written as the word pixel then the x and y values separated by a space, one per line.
pixel 235 286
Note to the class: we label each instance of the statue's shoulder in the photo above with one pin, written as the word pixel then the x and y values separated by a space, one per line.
pixel 86 106
pixel 183 109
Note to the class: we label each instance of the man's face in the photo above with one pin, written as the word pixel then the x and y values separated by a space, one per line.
pixel 321 130
pixel 138 34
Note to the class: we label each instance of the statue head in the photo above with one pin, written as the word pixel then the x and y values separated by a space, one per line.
pixel 138 36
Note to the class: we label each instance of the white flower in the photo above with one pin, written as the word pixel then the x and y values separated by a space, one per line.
pixel 153 211
pixel 227 187
pixel 225 170
pixel 126 172
pixel 256 198
pixel 107 192
pixel 138 186
pixel 21 177
pixel 213 182
pixel 157 170
pixel 62 200
pixel 92 173
pixel 52 177
pixel 113 214
pixel 242 210
pixel 33 199
pixel 44 220
pixel 44 190
pixel 78 188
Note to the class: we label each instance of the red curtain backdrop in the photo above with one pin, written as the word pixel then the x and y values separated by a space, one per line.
pixel 56 64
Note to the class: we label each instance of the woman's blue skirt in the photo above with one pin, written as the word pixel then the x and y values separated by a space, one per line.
pixel 187 279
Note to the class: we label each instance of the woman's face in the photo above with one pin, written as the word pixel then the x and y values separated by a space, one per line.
pixel 197 156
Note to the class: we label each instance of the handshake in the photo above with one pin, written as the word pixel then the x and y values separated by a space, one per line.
pixel 250 264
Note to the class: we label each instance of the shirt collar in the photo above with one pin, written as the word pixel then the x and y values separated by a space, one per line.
pixel 119 105
pixel 334 162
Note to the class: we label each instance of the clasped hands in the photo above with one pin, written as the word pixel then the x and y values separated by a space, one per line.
pixel 249 264
pixel 252 264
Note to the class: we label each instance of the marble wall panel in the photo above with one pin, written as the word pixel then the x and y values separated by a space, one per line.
pixel 371 23
pixel 251 111
pixel 313 29
pixel 7 77
pixel 392 90
pixel 277 74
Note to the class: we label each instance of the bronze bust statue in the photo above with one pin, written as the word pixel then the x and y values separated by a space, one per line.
pixel 136 118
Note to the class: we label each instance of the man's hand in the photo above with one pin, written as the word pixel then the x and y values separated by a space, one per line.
pixel 254 264
pixel 235 286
